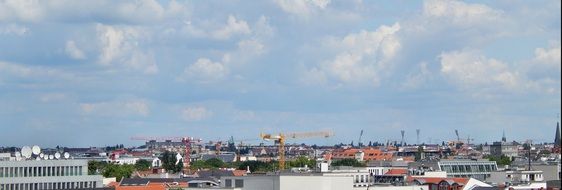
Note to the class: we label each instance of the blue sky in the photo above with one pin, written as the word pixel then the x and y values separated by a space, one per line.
pixel 93 73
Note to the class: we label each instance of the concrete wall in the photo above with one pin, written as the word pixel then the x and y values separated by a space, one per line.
pixel 316 182
pixel 292 182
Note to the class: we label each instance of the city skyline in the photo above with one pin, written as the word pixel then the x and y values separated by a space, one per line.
pixel 85 73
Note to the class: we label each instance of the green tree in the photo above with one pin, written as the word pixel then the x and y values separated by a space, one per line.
pixel 501 160
pixel 302 161
pixel 95 167
pixel 258 166
pixel 142 165
pixel 169 161
pixel 118 171
pixel 215 163
pixel 178 166
pixel 419 153
pixel 199 164
pixel 348 162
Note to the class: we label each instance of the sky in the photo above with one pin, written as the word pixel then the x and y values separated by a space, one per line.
pixel 95 73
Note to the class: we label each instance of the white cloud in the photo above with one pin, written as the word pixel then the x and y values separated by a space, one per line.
pixel 117 108
pixel 550 56
pixel 13 71
pixel 459 12
pixel 470 70
pixel 143 61
pixel 240 115
pixel 13 29
pixel 205 70
pixel 138 12
pixel 233 27
pixel 302 7
pixel 120 46
pixel 22 10
pixel 52 97
pixel 196 113
pixel 73 51
pixel 419 77
pixel 361 59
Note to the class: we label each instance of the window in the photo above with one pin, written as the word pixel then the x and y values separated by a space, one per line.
pixel 444 186
pixel 228 183
pixel 238 183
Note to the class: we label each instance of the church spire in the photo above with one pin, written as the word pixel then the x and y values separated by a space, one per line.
pixel 503 137
pixel 557 138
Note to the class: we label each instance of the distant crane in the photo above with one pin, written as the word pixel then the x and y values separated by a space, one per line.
pixel 281 137
pixel 457 133
pixel 187 141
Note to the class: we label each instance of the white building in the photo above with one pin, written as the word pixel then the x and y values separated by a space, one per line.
pixel 47 174
pixel 309 181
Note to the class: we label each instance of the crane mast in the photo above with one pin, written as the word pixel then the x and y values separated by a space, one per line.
pixel 281 137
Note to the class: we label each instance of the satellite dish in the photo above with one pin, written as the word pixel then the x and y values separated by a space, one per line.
pixel 41 155
pixel 36 150
pixel 66 155
pixel 26 152
pixel 57 155
pixel 37 158
pixel 17 154
pixel 51 157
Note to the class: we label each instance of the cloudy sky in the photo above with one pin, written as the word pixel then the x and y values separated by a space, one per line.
pixel 93 73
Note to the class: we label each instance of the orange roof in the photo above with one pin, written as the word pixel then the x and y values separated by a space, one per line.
pixel 239 172
pixel 155 186
pixel 397 172
pixel 369 154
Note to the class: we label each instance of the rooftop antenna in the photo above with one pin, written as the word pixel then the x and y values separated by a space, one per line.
pixel 18 155
pixel 418 136
pixel 402 133
pixel 26 152
pixel 457 133
pixel 36 150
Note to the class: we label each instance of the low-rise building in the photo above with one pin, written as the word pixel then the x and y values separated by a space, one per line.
pixel 47 174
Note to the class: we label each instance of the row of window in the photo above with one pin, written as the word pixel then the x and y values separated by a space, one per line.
pixel 237 183
pixel 468 168
pixel 52 185
pixel 40 171
pixel 363 179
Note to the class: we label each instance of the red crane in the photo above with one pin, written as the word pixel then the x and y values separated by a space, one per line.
pixel 187 141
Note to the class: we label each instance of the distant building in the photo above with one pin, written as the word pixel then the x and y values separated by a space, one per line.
pixel 478 169
pixel 361 154
pixel 47 174
pixel 503 148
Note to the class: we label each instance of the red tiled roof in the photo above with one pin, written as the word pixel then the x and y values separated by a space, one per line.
pixel 397 172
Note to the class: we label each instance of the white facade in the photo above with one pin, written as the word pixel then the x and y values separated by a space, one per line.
pixel 288 182
pixel 47 174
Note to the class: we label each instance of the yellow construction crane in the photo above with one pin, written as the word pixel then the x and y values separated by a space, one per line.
pixel 281 137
